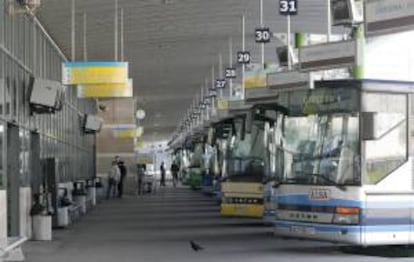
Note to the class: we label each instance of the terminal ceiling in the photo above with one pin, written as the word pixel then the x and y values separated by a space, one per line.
pixel 171 45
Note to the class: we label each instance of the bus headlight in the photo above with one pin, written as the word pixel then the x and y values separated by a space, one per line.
pixel 346 215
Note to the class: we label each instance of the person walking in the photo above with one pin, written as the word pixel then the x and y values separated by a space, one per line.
pixel 174 172
pixel 162 169
pixel 113 178
pixel 141 168
pixel 123 171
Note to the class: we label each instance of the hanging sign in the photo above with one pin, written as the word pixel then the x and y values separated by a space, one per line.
pixel 230 73
pixel 288 80
pixel 243 57
pixel 262 35
pixel 255 79
pixel 221 83
pixel 288 7
pixel 106 90
pixel 125 131
pixel 89 73
pixel 222 104
pixel 328 56
pixel 388 16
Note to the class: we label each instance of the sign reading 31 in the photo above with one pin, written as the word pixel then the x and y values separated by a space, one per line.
pixel 288 7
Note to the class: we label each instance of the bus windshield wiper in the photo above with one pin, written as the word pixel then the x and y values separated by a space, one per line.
pixel 330 181
pixel 276 184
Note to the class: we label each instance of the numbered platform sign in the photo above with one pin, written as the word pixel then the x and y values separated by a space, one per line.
pixel 262 35
pixel 221 83
pixel 89 73
pixel 230 73
pixel 243 57
pixel 288 7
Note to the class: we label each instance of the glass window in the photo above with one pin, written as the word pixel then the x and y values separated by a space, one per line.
pixel 389 151
pixel 246 157
pixel 319 146
pixel 320 138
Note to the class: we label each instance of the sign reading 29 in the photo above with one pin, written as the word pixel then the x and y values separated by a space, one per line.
pixel 288 7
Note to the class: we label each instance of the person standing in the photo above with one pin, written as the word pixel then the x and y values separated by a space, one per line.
pixel 141 168
pixel 162 169
pixel 113 178
pixel 123 171
pixel 174 172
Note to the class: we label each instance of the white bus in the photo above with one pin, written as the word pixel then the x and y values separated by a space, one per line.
pixel 347 163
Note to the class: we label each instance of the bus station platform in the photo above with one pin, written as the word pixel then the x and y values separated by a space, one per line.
pixel 160 227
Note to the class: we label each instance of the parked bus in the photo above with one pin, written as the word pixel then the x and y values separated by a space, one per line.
pixel 348 171
pixel 268 117
pixel 242 189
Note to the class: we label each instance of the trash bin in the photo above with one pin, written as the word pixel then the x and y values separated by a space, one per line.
pixel 91 190
pixel 42 227
pixel 63 216
pixel 81 202
pixel 80 195
pixel 92 195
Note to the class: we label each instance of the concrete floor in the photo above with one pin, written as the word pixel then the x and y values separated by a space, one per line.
pixel 159 228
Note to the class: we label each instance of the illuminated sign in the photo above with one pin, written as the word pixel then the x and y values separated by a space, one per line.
pixel 255 79
pixel 106 90
pixel 125 131
pixel 222 104
pixel 288 80
pixel 89 73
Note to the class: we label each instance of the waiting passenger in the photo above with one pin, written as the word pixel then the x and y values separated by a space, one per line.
pixel 123 172
pixel 141 174
pixel 162 169
pixel 113 179
pixel 174 171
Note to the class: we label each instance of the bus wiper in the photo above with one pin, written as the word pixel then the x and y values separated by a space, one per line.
pixel 276 184
pixel 330 181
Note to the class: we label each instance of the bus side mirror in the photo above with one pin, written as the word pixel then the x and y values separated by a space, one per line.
pixel 266 135
pixel 248 123
pixel 369 125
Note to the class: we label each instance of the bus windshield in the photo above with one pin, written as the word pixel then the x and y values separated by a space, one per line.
pixel 321 141
pixel 246 156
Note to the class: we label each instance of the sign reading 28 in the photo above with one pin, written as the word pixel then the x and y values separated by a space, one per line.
pixel 288 7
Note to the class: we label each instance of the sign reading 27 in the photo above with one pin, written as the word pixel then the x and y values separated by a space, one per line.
pixel 288 7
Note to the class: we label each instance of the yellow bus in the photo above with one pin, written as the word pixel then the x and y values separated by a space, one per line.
pixel 242 188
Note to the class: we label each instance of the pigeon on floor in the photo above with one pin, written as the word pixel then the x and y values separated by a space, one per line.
pixel 196 247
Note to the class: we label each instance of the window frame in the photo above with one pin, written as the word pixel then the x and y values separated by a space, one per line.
pixel 364 175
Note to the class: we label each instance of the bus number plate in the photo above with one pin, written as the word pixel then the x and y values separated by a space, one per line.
pixel 318 194
pixel 302 230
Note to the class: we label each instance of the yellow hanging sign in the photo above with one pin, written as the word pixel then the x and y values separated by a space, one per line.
pixel 222 104
pixel 88 73
pixel 125 131
pixel 255 79
pixel 106 90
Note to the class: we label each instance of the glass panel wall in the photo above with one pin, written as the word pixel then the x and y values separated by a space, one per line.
pixel 26 52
